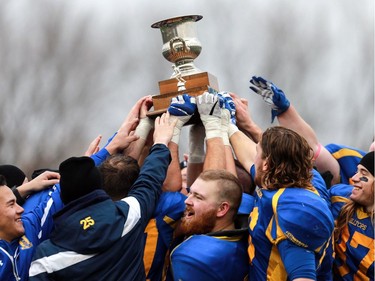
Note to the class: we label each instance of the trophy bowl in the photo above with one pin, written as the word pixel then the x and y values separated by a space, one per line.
pixel 180 43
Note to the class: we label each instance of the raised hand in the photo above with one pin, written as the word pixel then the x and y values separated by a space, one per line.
pixel 181 109
pixel 209 108
pixel 229 105
pixel 163 131
pixel 42 181
pixel 93 146
pixel 271 95
pixel 145 123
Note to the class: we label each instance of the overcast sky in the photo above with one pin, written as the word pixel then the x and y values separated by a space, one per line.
pixel 321 53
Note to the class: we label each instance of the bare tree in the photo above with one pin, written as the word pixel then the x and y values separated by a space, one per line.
pixel 71 70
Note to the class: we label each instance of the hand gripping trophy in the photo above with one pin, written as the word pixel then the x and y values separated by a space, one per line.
pixel 181 46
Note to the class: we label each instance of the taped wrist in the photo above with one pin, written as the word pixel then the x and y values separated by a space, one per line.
pixel 181 120
pixel 144 127
pixel 232 129
pixel 212 125
pixel 225 120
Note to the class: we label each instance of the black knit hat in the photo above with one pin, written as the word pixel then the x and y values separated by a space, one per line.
pixel 13 175
pixel 368 162
pixel 78 177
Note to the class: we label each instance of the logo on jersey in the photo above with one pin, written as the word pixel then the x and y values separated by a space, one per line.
pixel 25 243
pixel 358 224
pixel 87 222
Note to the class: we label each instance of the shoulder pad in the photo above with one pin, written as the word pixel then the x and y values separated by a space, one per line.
pixel 304 218
pixel 339 195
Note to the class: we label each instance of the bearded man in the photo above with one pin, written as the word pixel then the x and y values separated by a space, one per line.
pixel 208 243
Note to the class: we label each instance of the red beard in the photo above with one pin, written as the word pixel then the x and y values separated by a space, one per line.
pixel 198 225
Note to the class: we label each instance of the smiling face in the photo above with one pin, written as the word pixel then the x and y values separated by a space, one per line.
pixel 363 191
pixel 11 226
pixel 202 204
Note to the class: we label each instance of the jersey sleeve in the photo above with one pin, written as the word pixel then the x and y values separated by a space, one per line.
pixel 41 217
pixel 298 262
pixel 147 187
pixel 348 158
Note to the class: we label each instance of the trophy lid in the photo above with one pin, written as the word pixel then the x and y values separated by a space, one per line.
pixel 173 21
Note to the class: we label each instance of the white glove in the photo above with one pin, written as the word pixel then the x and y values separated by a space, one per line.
pixel 210 113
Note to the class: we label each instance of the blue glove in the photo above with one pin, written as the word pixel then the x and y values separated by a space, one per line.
pixel 271 95
pixel 182 105
pixel 229 105
pixel 182 109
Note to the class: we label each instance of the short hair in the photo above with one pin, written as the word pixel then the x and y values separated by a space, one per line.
pixel 119 172
pixel 229 187
pixel 289 158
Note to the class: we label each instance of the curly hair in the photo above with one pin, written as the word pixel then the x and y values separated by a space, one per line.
pixel 289 158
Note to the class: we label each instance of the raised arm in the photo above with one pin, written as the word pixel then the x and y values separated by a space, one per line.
pixel 196 153
pixel 244 121
pixel 210 113
pixel 288 117
pixel 143 129
pixel 181 110
pixel 147 187
pixel 44 180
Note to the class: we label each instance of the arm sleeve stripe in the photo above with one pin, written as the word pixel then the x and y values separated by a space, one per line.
pixel 134 214
pixel 56 262
pixel 45 214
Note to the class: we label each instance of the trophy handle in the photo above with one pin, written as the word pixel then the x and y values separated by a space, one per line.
pixel 178 40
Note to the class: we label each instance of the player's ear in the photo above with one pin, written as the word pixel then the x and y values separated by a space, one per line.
pixel 223 209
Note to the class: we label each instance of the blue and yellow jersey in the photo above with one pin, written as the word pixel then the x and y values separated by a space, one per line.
pixel 348 159
pixel 159 232
pixel 286 224
pixel 339 194
pixel 219 256
pixel 355 249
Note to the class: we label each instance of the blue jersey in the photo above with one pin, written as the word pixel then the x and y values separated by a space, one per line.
pixel 15 257
pixel 348 159
pixel 169 210
pixel 219 256
pixel 339 194
pixel 290 229
pixel 355 249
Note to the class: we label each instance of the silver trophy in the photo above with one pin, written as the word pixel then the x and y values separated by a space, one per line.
pixel 181 46
pixel 180 43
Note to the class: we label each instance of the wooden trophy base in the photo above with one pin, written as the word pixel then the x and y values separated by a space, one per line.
pixel 196 84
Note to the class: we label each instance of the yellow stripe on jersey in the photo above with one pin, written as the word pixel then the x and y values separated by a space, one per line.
pixel 346 152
